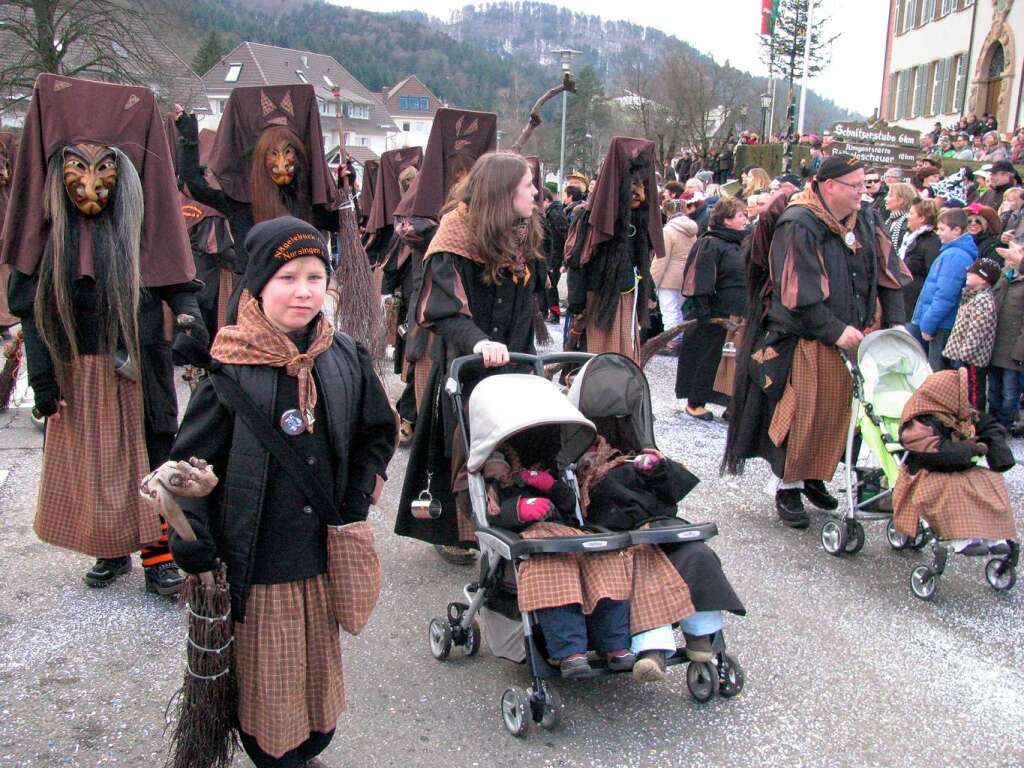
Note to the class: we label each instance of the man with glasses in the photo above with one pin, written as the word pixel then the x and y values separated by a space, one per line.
pixel 829 270
pixel 874 190
pixel 962 145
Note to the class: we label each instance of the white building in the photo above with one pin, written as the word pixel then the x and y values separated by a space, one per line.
pixel 412 106
pixel 945 59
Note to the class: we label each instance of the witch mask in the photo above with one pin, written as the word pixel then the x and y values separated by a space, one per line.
pixel 637 193
pixel 90 176
pixel 280 160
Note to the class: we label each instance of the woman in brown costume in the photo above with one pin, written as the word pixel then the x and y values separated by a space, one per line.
pixel 267 161
pixel 609 250
pixel 94 249
pixel 457 139
pixel 388 190
pixel 481 275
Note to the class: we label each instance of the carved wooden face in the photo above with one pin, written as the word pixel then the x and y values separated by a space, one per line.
pixel 281 160
pixel 638 195
pixel 90 176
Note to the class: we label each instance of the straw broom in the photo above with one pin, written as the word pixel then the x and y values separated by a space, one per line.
pixel 206 705
pixel 358 311
pixel 13 352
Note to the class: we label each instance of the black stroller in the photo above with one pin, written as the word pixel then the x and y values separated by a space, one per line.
pixel 500 407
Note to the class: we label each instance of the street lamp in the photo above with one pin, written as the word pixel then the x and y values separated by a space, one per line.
pixel 766 104
pixel 565 56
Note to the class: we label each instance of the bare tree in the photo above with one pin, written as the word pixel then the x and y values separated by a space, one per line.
pixel 646 111
pixel 101 39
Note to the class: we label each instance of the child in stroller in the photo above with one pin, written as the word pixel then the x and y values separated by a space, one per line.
pixel 965 506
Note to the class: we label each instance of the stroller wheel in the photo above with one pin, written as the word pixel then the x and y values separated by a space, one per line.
pixel 854 537
pixel 702 680
pixel 552 715
pixel 896 539
pixel 923 582
pixel 515 711
pixel 921 539
pixel 1000 574
pixel 833 537
pixel 731 676
pixel 471 646
pixel 440 635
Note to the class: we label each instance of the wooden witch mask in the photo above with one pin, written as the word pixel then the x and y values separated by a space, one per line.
pixel 90 176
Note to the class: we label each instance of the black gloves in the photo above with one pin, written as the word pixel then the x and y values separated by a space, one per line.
pixel 188 129
pixel 196 556
pixel 357 507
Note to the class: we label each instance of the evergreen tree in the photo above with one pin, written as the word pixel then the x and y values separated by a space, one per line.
pixel 209 53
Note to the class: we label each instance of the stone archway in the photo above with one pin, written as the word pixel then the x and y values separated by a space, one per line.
pixel 991 86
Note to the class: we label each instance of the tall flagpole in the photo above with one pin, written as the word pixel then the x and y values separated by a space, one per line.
pixel 807 63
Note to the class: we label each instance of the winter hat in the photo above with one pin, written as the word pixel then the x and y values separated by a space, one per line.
pixel 705 177
pixel 995 224
pixel 1005 166
pixel 273 243
pixel 790 178
pixel 988 269
pixel 837 166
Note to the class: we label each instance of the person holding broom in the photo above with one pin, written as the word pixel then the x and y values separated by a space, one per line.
pixel 298 427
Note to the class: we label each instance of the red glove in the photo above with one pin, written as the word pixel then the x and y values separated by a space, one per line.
pixel 533 509
pixel 540 481
pixel 646 461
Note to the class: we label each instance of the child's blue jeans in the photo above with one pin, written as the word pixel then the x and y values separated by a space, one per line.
pixel 566 629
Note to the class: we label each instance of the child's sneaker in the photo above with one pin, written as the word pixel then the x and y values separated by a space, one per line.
pixel 649 667
pixel 620 661
pixel 698 648
pixel 575 665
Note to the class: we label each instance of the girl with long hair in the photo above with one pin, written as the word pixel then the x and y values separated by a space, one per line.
pixel 482 272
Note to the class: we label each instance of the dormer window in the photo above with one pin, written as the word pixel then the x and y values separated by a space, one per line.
pixel 302 77
pixel 305 61
pixel 119 49
pixel 234 70
pixel 330 83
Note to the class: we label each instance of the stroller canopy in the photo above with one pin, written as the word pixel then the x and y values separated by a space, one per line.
pixel 504 405
pixel 613 386
pixel 893 366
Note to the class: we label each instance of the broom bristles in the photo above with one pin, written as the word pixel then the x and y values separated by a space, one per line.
pixel 358 312
pixel 206 705
pixel 12 366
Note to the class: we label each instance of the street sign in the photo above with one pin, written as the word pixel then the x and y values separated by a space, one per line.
pixel 879 144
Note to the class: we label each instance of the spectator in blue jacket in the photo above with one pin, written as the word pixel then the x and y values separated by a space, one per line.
pixel 940 296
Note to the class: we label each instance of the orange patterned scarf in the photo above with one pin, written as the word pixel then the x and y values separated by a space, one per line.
pixel 255 341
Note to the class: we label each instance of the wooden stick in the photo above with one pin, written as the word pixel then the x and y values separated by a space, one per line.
pixel 568 84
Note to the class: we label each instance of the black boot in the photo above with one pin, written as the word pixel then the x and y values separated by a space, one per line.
pixel 106 569
pixel 791 508
pixel 164 579
pixel 818 495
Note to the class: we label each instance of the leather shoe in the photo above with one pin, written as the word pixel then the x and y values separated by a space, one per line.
pixel 818 495
pixel 791 508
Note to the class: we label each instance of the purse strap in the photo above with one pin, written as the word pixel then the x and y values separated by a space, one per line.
pixel 235 397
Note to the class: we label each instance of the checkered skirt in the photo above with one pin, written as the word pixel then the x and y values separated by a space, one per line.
pixel 288 664
pixel 642 575
pixel 94 458
pixel 957 505
pixel 813 415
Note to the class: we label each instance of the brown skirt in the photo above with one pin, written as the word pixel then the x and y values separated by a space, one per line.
pixel 623 337
pixel 288 664
pixel 957 505
pixel 94 458
pixel 6 318
pixel 813 414
pixel 642 575
pixel 420 379
pixel 726 374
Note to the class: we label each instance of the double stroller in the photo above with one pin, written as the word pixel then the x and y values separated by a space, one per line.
pixel 501 408
pixel 890 367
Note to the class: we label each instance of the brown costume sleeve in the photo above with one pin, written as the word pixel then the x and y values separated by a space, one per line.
pixel 444 306
pixel 800 282
pixel 893 274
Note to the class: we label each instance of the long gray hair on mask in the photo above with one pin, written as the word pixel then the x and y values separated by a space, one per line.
pixel 116 238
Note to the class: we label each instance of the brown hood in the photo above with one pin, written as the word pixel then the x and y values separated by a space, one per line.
pixel 126 117
pixel 943 395
pixel 387 190
pixel 457 138
pixel 248 113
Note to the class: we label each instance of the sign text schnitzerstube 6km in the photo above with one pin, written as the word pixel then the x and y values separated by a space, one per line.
pixel 877 145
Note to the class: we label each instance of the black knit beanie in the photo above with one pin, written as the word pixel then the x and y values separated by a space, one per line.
pixel 273 243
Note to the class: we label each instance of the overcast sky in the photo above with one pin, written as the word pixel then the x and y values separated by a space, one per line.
pixel 727 29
